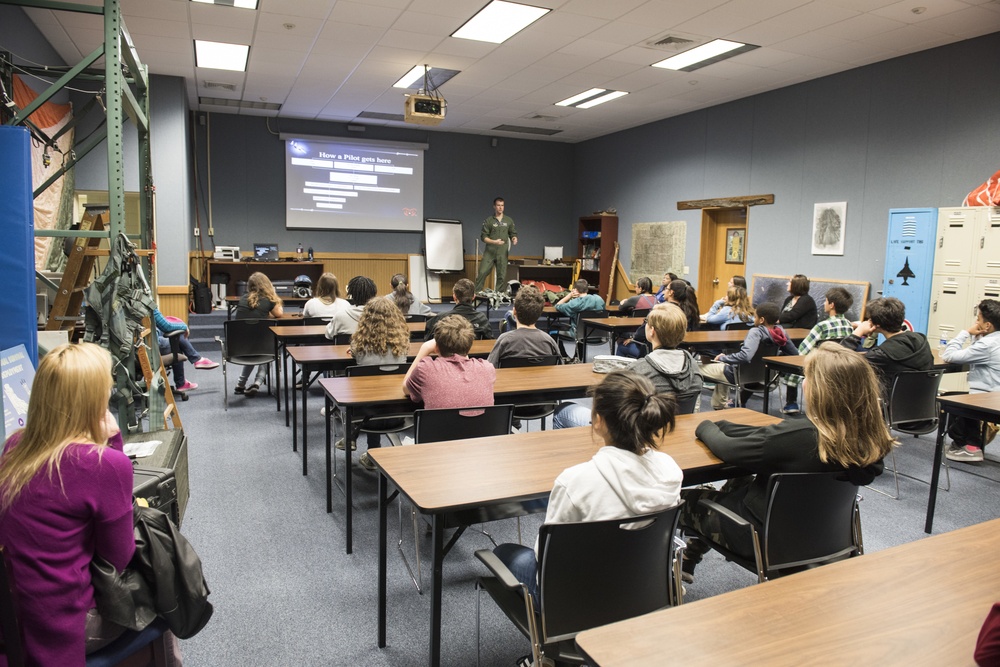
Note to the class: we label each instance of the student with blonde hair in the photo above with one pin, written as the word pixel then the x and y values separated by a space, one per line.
pixel 326 301
pixel 66 497
pixel 844 431
pixel 735 309
pixel 260 302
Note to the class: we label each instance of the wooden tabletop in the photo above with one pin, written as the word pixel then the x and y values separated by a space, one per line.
pixel 986 403
pixel 796 362
pixel 292 332
pixel 615 323
pixel 908 605
pixel 450 476
pixel 373 391
pixel 307 354
pixel 716 337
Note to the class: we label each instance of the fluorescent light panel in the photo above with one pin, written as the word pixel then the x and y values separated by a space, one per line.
pixel 219 55
pixel 499 21
pixel 706 54
pixel 242 4
pixel 591 98
pixel 436 77
pixel 413 76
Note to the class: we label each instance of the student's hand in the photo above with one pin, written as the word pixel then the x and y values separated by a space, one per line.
pixel 574 294
pixel 718 357
pixel 109 426
pixel 864 329
pixel 429 347
pixel 976 329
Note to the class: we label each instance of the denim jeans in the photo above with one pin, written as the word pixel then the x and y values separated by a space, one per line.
pixel 570 415
pixel 520 560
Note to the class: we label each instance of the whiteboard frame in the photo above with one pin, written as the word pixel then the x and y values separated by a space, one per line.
pixel 458 263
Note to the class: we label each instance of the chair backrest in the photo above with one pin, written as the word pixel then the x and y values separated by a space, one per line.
pixel 598 572
pixel 640 312
pixel 753 371
pixel 530 362
pixel 810 519
pixel 388 369
pixel 737 326
pixel 313 321
pixel 595 336
pixel 248 338
pixel 912 406
pixel 460 423
pixel 414 317
pixel 687 404
pixel 12 642
pixel 284 322
pixel 341 339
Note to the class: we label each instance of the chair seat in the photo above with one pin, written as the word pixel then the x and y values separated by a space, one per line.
pixel 127 645
pixel 534 411
pixel 252 359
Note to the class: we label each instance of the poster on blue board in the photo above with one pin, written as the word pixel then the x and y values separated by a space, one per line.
pixel 18 373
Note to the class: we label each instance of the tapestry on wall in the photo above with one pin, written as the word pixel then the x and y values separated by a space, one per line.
pixel 657 247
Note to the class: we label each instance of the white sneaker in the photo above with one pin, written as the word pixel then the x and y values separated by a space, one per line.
pixel 966 454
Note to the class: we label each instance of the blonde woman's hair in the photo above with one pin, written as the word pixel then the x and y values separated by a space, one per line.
pixel 739 303
pixel 327 288
pixel 381 330
pixel 842 399
pixel 69 399
pixel 669 323
pixel 259 285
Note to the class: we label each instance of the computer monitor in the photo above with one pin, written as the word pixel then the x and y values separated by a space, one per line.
pixel 265 252
pixel 553 253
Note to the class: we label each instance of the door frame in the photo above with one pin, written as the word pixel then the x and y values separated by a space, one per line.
pixel 708 264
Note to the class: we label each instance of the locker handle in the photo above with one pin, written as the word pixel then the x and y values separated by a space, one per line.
pixel 941 242
pixel 934 309
pixel 982 240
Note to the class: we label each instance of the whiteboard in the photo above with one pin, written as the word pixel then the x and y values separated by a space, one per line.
pixel 443 245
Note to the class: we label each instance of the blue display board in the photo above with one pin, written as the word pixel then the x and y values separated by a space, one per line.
pixel 909 261
pixel 17 252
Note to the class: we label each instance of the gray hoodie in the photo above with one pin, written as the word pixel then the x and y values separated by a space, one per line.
pixel 670 371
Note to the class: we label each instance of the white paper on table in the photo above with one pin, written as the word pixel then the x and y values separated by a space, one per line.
pixel 141 449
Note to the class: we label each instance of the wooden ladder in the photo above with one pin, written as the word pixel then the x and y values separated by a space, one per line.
pixel 65 310
pixel 147 372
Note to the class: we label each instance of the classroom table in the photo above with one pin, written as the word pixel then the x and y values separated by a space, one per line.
pixel 453 482
pixel 983 406
pixel 613 325
pixel 320 358
pixel 907 605
pixel 383 395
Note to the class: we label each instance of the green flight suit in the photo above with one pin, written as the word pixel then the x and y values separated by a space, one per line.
pixel 498 230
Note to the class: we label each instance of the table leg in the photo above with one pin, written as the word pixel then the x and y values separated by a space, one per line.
pixel 437 531
pixel 329 458
pixel 305 420
pixel 383 484
pixel 936 472
pixel 295 418
pixel 767 393
pixel 284 365
pixel 277 374
pixel 348 483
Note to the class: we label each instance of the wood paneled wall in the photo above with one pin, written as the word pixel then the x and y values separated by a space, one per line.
pixel 174 300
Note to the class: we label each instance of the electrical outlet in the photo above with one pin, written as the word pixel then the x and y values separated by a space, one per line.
pixel 197 231
pixel 687 270
pixel 211 231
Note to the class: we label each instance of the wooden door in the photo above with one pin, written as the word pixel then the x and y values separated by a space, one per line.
pixel 723 237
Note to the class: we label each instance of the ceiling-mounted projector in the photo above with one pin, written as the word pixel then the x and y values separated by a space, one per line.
pixel 424 109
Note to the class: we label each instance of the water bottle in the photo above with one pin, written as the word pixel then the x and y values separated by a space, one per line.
pixel 311 254
pixel 298 253
pixel 943 343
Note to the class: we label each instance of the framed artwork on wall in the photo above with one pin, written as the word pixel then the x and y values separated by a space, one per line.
pixel 829 220
pixel 736 243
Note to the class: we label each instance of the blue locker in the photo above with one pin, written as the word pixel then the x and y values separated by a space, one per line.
pixel 17 252
pixel 909 261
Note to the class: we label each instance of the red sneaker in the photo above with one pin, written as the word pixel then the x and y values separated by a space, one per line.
pixel 187 386
pixel 205 364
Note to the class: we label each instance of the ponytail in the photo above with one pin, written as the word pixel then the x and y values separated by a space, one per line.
pixel 632 411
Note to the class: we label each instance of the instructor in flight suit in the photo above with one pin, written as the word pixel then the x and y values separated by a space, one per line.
pixel 497 229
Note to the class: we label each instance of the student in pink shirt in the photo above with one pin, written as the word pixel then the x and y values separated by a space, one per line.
pixel 452 379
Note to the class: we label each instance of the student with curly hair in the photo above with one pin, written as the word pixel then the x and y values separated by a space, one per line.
pixel 260 302
pixel 360 290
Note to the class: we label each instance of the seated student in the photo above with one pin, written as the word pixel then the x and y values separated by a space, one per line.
pixel 166 326
pixel 260 302
pixel 452 379
pixel 326 301
pixel 765 328
pixel 526 340
pixel 360 290
pixel 627 476
pixel 65 497
pixel 983 358
pixel 843 431
pixel 681 293
pixel 735 308
pixel 835 327
pixel 661 294
pixel 404 298
pixel 464 292
pixel 799 309
pixel 578 300
pixel 642 300
pixel 901 351
pixel 735 281
pixel 669 369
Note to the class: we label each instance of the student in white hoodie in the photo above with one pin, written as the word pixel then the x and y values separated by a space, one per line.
pixel 628 476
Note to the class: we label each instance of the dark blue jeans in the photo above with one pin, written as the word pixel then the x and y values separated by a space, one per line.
pixel 520 560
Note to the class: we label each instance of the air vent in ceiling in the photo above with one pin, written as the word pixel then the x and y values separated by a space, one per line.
pixel 541 117
pixel 378 115
pixel 526 130
pixel 231 87
pixel 674 42
pixel 221 102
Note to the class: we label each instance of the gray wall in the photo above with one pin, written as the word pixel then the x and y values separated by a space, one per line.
pixel 920 130
pixel 463 174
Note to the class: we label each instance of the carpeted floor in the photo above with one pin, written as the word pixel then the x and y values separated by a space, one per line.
pixel 286 594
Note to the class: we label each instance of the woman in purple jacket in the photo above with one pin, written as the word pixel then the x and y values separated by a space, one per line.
pixel 65 496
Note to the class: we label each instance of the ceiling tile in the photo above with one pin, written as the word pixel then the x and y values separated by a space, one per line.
pixel 860 26
pixel 222 16
pixel 903 11
pixel 414 41
pixel 967 23
pixel 428 24
pixel 364 14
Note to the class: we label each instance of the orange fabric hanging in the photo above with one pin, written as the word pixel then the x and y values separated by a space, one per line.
pixel 47 115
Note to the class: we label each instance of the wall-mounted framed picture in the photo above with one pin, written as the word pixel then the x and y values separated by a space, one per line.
pixel 736 243
pixel 829 220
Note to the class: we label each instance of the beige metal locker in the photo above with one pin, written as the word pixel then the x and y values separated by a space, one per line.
pixel 958 237
pixel 950 311
pixel 987 249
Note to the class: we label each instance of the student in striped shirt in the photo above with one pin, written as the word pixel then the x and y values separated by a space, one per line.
pixel 835 327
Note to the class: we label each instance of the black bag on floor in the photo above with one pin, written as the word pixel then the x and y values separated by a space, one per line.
pixel 202 297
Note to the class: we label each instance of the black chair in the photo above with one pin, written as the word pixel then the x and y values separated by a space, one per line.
pixel 387 424
pixel 532 411
pixel 145 647
pixel 315 321
pixel 246 343
pixel 442 425
pixel 415 317
pixel 687 403
pixel 812 519
pixel 737 326
pixel 590 574
pixel 751 377
pixel 913 409
pixel 580 342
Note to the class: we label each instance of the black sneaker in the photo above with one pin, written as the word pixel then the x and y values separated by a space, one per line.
pixel 240 389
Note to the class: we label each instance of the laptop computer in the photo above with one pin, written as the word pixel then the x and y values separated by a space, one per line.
pixel 265 252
